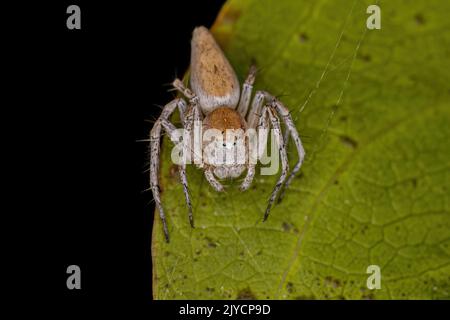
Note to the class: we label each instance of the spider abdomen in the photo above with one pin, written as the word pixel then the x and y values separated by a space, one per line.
pixel 213 79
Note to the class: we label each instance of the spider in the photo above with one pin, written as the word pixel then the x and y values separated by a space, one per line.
pixel 215 101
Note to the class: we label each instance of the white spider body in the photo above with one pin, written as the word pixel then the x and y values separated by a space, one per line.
pixel 217 102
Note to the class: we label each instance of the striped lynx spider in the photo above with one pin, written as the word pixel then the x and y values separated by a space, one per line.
pixel 215 101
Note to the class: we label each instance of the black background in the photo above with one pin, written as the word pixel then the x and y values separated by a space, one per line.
pixel 91 94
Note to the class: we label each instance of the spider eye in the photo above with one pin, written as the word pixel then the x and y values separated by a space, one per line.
pixel 223 144
pixel 234 144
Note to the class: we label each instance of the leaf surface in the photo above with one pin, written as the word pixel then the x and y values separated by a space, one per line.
pixel 373 111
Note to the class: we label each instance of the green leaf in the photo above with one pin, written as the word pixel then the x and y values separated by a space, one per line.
pixel 373 111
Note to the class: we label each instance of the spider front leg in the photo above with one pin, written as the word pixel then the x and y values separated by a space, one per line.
pixel 249 177
pixel 191 118
pixel 254 119
pixel 275 122
pixel 209 175
pixel 291 130
pixel 246 95
pixel 155 136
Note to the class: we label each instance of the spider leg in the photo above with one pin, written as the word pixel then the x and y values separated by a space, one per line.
pixel 179 85
pixel 212 180
pixel 255 110
pixel 290 128
pixel 286 137
pixel 253 120
pixel 171 129
pixel 155 136
pixel 191 117
pixel 186 194
pixel 246 94
pixel 275 121
pixel 248 178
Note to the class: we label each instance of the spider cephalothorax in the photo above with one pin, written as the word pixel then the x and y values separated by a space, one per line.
pixel 217 103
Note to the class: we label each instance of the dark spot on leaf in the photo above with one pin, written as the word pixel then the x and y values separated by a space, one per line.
pixel 332 282
pixel 286 226
pixel 259 253
pixel 210 242
pixel 241 253
pixel 303 37
pixel 246 294
pixel 349 142
pixel 336 181
pixel 364 229
pixel 290 287
pixel 419 19
pixel 365 57
pixel 343 118
pixel 414 182
pixel 210 289
pixel 198 251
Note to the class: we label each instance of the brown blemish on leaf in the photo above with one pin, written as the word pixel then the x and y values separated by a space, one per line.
pixel 210 242
pixel 348 141
pixel 365 57
pixel 286 226
pixel 246 294
pixel 290 287
pixel 332 282
pixel 303 37
pixel 420 20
